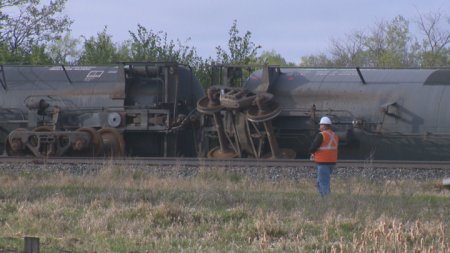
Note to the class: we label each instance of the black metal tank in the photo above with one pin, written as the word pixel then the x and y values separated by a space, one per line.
pixel 400 114
pixel 144 109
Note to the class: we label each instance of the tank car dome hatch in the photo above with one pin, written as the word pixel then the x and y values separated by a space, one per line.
pixel 286 76
pixel 439 77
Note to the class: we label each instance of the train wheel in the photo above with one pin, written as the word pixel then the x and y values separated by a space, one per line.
pixel 96 140
pixel 40 149
pixel 264 109
pixel 113 142
pixel 219 153
pixel 15 146
pixel 211 103
pixel 205 106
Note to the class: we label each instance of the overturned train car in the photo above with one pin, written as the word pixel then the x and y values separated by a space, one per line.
pixel 383 114
pixel 137 109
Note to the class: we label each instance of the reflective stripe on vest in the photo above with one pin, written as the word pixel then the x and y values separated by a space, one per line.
pixel 327 152
pixel 332 141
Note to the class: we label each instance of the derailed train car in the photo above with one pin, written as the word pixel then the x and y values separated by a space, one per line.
pixel 152 109
pixel 384 114
pixel 137 109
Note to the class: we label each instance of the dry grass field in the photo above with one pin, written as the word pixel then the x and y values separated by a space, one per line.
pixel 127 210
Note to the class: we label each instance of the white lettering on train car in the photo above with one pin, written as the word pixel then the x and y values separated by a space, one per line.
pixel 93 75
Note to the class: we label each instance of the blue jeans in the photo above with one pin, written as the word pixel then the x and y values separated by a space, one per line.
pixel 323 178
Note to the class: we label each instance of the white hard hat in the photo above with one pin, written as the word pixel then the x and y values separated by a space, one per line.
pixel 325 121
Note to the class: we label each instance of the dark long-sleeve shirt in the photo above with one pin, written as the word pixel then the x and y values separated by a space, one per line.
pixel 315 145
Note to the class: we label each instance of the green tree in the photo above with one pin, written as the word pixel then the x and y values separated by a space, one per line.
pixel 147 45
pixel 64 50
pixel 35 55
pixel 320 60
pixel 100 50
pixel 27 25
pixel 272 58
pixel 241 50
pixel 390 44
pixel 387 46
pixel 38 56
pixel 347 53
pixel 435 51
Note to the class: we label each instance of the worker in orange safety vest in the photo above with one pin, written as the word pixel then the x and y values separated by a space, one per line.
pixel 324 152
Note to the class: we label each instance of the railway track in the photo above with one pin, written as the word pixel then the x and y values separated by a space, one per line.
pixel 291 169
pixel 225 163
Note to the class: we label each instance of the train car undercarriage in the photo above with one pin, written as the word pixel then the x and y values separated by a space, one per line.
pixel 243 121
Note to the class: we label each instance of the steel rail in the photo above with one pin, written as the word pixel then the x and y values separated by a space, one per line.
pixel 225 163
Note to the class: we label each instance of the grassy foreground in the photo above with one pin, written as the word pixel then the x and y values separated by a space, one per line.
pixel 127 210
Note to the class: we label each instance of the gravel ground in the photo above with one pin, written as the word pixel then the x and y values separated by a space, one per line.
pixel 258 173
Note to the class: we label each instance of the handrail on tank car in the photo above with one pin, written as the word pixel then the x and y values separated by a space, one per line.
pixel 67 74
pixel 363 80
pixel 3 79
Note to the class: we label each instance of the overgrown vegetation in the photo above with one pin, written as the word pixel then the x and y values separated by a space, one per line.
pixel 121 209
pixel 32 32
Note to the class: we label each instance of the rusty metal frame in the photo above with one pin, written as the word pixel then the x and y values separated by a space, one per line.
pixel 145 115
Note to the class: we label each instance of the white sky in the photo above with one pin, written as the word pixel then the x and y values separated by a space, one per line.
pixel 293 28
